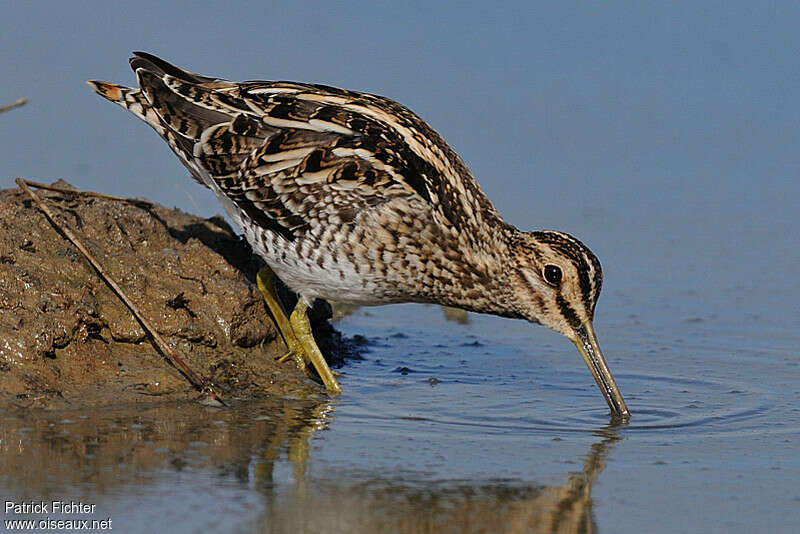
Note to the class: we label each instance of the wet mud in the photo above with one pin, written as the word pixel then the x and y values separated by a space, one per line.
pixel 66 340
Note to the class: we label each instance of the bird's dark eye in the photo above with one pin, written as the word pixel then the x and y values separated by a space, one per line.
pixel 552 275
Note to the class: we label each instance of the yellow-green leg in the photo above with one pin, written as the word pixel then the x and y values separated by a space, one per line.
pixel 266 285
pixel 302 331
pixel 296 332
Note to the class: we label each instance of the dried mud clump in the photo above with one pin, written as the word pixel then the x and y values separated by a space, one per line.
pixel 67 339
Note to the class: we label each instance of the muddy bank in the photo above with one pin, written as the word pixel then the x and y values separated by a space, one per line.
pixel 67 340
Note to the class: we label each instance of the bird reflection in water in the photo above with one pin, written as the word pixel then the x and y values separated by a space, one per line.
pixel 265 448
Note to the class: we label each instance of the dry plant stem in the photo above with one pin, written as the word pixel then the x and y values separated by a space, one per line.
pixel 18 103
pixel 47 187
pixel 165 349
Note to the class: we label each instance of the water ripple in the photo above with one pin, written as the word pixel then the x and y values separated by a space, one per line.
pixel 697 407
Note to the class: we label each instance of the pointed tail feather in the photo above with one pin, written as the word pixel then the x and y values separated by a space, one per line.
pixel 131 99
pixel 183 107
pixel 111 91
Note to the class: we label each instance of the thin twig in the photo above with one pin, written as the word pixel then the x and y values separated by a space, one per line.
pixel 136 201
pixel 18 103
pixel 165 349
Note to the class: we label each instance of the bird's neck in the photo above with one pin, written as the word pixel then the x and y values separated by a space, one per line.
pixel 486 264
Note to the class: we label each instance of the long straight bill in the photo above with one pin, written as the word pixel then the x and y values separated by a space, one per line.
pixel 586 341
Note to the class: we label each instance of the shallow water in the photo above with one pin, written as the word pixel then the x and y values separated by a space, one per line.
pixel 488 426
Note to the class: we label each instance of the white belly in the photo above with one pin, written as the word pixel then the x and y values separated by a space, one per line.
pixel 302 271
pixel 314 266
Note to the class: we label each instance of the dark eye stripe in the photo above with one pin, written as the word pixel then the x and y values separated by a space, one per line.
pixel 568 313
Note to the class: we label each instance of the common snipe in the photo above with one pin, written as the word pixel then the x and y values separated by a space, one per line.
pixel 351 197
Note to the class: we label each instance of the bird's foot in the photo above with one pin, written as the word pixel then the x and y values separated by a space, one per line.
pixel 290 354
pixel 301 328
pixel 296 332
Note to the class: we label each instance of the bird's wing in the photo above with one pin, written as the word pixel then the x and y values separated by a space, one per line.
pixel 294 154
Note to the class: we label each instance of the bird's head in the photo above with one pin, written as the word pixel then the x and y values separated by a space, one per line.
pixel 558 281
